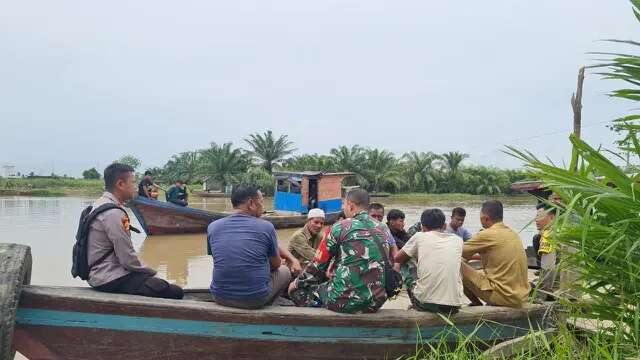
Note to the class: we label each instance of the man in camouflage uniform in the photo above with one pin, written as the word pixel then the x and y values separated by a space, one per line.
pixel 357 286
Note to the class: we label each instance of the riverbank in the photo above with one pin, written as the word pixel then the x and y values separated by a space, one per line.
pixel 50 187
pixel 92 188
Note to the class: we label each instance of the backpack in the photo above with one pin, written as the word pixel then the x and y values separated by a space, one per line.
pixel 81 267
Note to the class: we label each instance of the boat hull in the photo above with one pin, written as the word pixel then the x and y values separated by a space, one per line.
pixel 210 194
pixel 161 218
pixel 72 323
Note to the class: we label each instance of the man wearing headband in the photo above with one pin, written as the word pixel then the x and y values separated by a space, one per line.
pixel 303 243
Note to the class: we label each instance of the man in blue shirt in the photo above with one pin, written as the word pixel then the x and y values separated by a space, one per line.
pixel 248 270
pixel 455 226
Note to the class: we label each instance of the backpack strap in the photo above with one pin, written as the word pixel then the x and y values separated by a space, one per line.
pixel 94 214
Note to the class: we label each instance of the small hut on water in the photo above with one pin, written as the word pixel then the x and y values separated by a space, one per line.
pixel 302 191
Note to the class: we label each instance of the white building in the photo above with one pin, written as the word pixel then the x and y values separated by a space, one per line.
pixel 9 171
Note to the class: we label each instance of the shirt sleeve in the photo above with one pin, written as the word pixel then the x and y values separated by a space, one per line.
pixel 466 234
pixel 315 273
pixel 272 250
pixel 410 247
pixel 390 239
pixel 116 226
pixel 477 244
pixel 301 247
pixel 545 244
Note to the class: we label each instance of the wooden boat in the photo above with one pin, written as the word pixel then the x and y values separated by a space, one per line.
pixel 78 323
pixel 159 218
pixel 210 194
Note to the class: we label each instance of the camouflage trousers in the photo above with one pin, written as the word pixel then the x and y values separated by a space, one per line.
pixel 311 295
pixel 409 271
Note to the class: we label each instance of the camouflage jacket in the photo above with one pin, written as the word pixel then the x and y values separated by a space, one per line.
pixel 358 282
pixel 415 228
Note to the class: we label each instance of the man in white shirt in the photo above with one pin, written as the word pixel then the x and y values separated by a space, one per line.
pixel 431 266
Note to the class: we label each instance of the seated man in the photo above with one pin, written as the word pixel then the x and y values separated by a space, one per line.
pixel 177 194
pixel 376 212
pixel 146 185
pixel 248 271
pixel 114 266
pixel 431 266
pixel 503 279
pixel 303 242
pixel 355 244
pixel 395 222
pixel 545 219
pixel 455 225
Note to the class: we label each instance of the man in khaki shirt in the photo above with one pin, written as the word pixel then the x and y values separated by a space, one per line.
pixel 503 280
pixel 115 267
pixel 303 243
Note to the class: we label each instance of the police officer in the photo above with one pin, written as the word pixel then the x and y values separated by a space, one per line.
pixel 115 267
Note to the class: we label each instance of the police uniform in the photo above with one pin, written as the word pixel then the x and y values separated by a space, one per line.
pixel 120 271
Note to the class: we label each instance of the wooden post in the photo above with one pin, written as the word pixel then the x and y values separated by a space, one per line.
pixel 576 104
pixel 567 275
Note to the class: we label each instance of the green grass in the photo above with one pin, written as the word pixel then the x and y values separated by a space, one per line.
pixel 51 187
pixel 563 345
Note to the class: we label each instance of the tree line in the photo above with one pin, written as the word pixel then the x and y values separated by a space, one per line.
pixel 376 170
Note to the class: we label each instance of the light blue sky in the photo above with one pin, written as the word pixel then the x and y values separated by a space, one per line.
pixel 82 83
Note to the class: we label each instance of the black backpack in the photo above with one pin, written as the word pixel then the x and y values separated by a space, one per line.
pixel 80 258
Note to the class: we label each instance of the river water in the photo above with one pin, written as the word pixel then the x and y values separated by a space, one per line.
pixel 48 225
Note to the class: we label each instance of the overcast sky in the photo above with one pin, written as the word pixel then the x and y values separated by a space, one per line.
pixel 82 83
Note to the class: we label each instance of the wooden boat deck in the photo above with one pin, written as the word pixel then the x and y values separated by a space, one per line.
pixel 54 320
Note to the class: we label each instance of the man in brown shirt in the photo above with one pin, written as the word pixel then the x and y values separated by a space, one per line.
pixel 115 265
pixel 503 280
pixel 303 243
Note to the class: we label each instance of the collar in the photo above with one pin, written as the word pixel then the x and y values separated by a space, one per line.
pixel 112 197
pixel 361 213
pixel 499 224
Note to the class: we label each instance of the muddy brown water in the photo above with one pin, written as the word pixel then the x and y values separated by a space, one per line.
pixel 48 225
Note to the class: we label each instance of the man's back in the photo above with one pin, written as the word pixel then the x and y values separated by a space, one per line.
pixel 438 256
pixel 504 261
pixel 241 247
pixel 358 282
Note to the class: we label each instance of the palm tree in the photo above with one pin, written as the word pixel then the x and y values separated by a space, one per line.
pixel 352 160
pixel 268 150
pixel 223 164
pixel 420 169
pixel 309 162
pixel 452 161
pixel 184 166
pixel 382 170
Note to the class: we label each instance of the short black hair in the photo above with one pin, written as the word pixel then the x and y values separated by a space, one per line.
pixel 432 219
pixel 242 193
pixel 376 206
pixel 493 209
pixel 395 214
pixel 115 172
pixel 547 208
pixel 180 181
pixel 459 211
pixel 358 196
pixel 148 172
